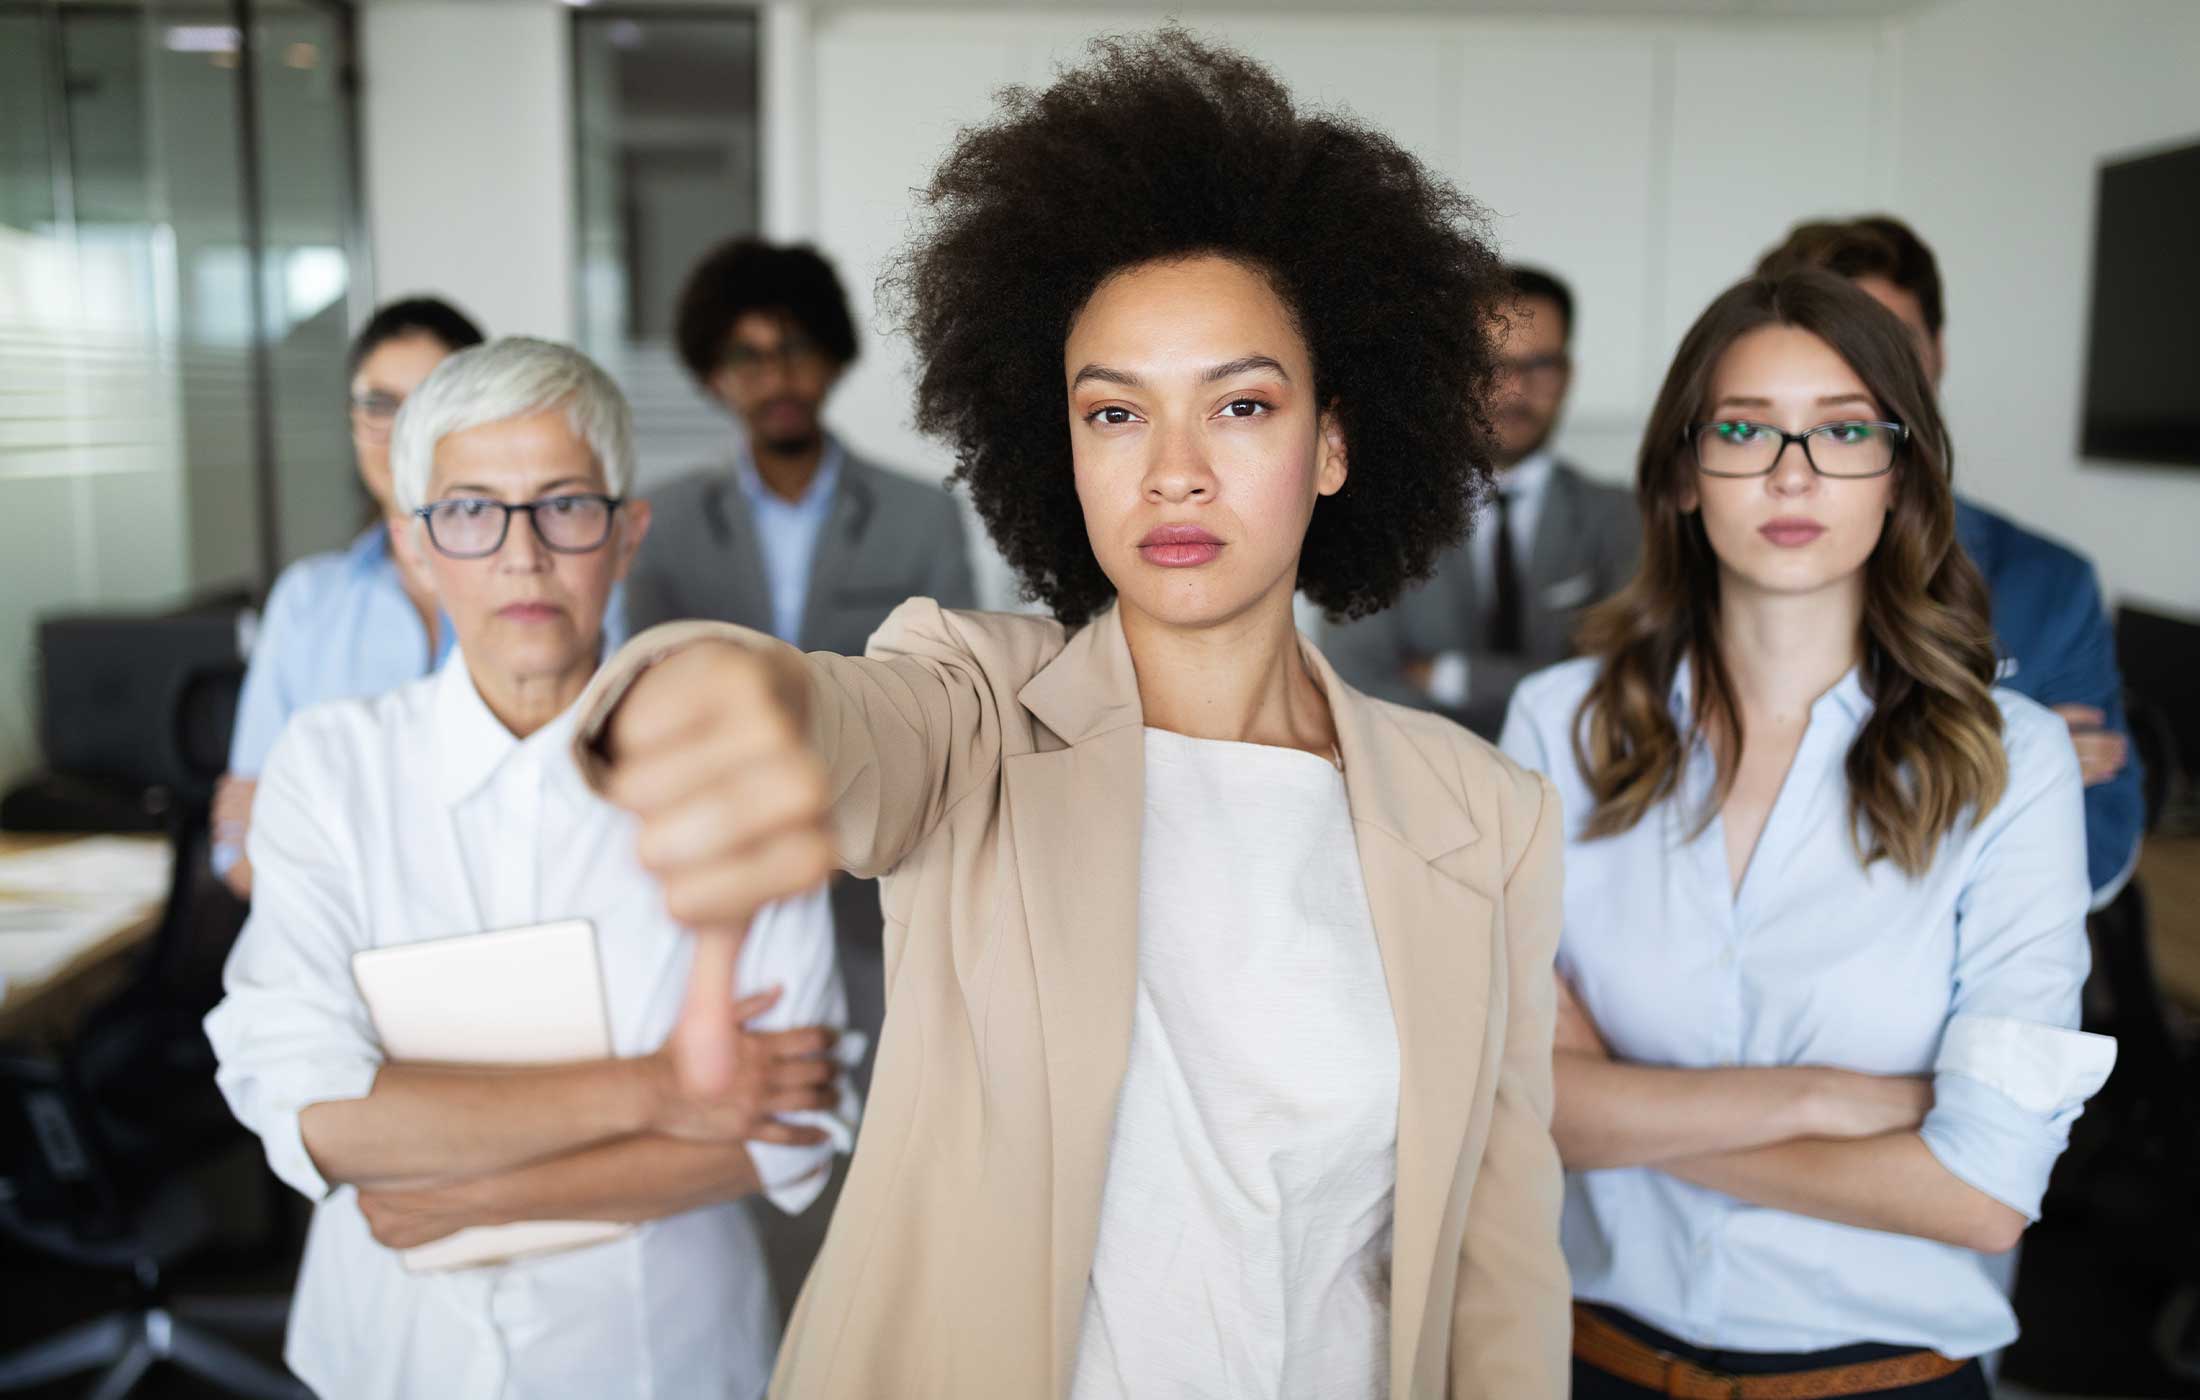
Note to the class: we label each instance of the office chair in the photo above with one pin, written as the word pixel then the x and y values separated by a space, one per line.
pixel 97 1145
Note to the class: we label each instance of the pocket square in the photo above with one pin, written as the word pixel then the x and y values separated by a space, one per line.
pixel 1568 592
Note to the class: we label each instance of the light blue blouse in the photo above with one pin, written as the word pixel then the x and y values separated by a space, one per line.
pixel 339 626
pixel 1970 972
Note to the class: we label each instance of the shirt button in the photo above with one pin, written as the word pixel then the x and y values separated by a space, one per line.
pixel 1726 958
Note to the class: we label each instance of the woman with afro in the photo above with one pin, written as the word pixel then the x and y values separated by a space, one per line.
pixel 1217 1054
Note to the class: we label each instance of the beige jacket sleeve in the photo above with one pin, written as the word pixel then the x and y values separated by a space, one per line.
pixel 906 732
pixel 1512 1324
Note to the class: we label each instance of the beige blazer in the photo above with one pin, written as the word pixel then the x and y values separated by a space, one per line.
pixel 989 768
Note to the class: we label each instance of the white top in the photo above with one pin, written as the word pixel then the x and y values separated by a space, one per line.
pixel 417 815
pixel 1244 1245
pixel 1969 972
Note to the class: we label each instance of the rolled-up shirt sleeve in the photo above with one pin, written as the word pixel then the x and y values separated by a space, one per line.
pixel 2014 1071
pixel 790 945
pixel 291 1029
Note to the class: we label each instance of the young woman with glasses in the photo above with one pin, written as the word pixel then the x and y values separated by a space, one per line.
pixel 1825 891
pixel 355 621
pixel 453 805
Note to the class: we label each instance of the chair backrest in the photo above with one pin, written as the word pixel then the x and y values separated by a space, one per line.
pixel 2160 659
pixel 54 1176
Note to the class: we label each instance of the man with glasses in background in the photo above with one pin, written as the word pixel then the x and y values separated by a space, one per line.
pixel 1550 543
pixel 800 538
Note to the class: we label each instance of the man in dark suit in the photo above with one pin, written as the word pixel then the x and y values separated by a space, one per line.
pixel 1551 543
pixel 796 536
pixel 2056 643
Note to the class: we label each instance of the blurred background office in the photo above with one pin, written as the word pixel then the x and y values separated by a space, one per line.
pixel 201 200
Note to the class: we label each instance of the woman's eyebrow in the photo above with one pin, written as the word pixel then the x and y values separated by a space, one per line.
pixel 1245 364
pixel 475 488
pixel 1106 375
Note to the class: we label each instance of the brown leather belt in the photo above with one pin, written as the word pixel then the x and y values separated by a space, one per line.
pixel 1623 1357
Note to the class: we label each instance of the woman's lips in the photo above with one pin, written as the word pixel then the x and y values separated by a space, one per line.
pixel 530 612
pixel 1791 534
pixel 1178 546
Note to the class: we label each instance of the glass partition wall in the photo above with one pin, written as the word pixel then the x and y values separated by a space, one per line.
pixel 180 259
pixel 667 144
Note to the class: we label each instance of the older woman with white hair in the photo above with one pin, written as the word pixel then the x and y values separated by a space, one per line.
pixel 451 806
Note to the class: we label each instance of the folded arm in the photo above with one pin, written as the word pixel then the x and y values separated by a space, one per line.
pixel 1892 1182
pixel 631 1180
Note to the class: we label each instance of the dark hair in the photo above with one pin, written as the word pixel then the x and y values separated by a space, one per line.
pixel 412 316
pixel 1875 245
pixel 1931 750
pixel 1535 282
pixel 748 274
pixel 1162 147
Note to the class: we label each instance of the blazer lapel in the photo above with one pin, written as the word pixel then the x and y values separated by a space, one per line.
pixel 1555 559
pixel 1435 936
pixel 1078 815
pixel 746 595
pixel 838 559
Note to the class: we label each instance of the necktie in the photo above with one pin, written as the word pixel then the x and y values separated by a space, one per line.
pixel 1505 622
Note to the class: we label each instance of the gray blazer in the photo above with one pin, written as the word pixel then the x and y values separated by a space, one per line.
pixel 887 539
pixel 1587 539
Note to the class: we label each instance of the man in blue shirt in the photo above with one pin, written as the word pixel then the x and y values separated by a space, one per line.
pixel 800 538
pixel 2056 643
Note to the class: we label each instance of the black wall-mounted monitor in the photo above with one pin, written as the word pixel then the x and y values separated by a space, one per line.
pixel 2142 364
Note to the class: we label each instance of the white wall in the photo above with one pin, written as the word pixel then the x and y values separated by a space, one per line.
pixel 1648 161
pixel 468 127
pixel 2007 108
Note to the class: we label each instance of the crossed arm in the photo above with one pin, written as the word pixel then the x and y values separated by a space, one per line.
pixel 436 1149
pixel 1828 1143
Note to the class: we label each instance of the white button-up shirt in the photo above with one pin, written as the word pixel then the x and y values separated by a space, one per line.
pixel 418 815
pixel 1969 972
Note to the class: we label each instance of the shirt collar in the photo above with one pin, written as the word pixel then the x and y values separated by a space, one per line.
pixel 1528 476
pixel 821 486
pixel 472 745
pixel 371 550
pixel 1846 694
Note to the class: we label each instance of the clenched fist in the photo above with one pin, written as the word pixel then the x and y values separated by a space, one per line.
pixel 709 750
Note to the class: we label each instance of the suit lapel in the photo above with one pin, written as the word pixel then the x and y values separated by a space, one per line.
pixel 1554 559
pixel 1078 815
pixel 838 559
pixel 746 595
pixel 1434 933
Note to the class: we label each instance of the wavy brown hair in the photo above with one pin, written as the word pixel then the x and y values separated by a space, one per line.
pixel 1931 750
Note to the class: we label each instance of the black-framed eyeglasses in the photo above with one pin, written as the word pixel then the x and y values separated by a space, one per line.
pixel 474 527
pixel 794 351
pixel 1851 449
pixel 1541 367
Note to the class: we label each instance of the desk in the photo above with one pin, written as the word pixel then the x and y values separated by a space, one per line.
pixel 2169 869
pixel 37 1009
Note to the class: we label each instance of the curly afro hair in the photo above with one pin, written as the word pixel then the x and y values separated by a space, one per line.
pixel 1163 147
pixel 747 274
